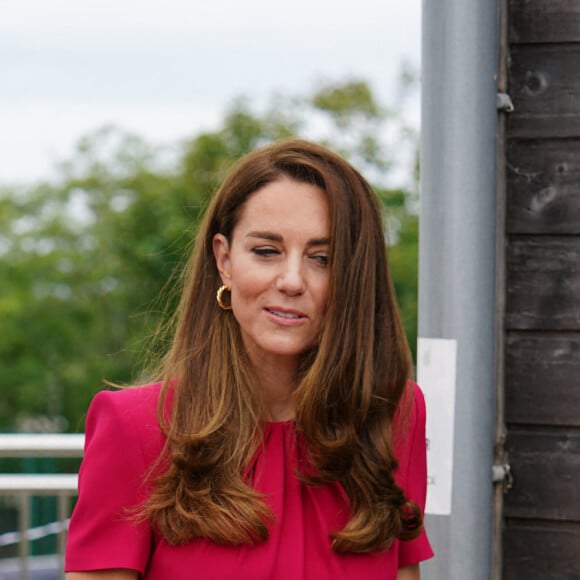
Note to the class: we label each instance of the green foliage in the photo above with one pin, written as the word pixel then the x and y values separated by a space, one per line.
pixel 84 259
pixel 347 100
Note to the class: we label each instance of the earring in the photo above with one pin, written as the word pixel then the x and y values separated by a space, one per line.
pixel 219 295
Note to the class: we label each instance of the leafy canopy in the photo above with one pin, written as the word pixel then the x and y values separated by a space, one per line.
pixel 84 259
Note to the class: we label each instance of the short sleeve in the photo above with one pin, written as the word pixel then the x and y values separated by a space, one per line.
pixel 413 478
pixel 103 534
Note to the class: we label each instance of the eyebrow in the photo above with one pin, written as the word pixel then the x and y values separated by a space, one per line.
pixel 278 238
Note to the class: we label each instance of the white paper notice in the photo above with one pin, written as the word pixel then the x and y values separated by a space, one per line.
pixel 436 375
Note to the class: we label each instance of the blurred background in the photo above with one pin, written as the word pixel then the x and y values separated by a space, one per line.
pixel 119 120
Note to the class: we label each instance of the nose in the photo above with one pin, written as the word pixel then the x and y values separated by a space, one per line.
pixel 290 279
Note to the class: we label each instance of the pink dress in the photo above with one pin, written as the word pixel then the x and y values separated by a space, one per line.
pixel 123 439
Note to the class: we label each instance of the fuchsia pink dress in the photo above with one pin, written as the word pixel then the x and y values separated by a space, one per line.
pixel 123 439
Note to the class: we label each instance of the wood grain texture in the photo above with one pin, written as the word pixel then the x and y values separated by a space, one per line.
pixel 544 85
pixel 543 283
pixel 540 551
pixel 545 464
pixel 542 378
pixel 543 186
pixel 552 21
pixel 541 347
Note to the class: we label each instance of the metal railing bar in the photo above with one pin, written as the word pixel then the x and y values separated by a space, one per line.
pixel 38 484
pixel 42 444
pixel 25 486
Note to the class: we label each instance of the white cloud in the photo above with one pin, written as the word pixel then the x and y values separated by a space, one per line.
pixel 167 69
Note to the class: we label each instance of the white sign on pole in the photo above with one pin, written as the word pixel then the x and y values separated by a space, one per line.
pixel 436 374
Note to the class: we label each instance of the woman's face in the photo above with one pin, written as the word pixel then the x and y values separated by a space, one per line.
pixel 277 267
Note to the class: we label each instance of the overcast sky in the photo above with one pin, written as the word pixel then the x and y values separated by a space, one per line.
pixel 168 69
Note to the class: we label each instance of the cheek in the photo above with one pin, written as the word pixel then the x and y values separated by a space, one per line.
pixel 321 296
pixel 247 286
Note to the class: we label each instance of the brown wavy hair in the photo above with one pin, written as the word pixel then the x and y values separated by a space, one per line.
pixel 350 386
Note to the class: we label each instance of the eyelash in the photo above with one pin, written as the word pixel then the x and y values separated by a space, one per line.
pixel 265 251
pixel 322 259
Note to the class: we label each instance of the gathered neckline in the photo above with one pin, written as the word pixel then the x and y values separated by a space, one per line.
pixel 280 423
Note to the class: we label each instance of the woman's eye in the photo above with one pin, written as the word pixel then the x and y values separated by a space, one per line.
pixel 322 259
pixel 265 251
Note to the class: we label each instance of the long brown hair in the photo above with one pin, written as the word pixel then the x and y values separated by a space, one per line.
pixel 351 383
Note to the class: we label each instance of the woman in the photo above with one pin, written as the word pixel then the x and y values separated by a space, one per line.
pixel 283 439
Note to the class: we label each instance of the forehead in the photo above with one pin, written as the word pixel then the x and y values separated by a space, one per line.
pixel 286 204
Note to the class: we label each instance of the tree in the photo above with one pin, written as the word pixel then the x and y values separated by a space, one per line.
pixel 85 258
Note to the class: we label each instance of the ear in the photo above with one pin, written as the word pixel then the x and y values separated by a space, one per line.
pixel 221 253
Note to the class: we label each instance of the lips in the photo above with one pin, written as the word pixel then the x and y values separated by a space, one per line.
pixel 288 314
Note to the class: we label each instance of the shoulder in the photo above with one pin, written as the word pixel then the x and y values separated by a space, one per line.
pixel 409 426
pixel 126 413
pixel 418 403
pixel 411 412
pixel 142 397
pixel 132 402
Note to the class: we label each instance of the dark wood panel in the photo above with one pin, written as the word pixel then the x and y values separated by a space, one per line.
pixel 545 88
pixel 542 551
pixel 543 283
pixel 542 341
pixel 543 186
pixel 542 378
pixel 553 21
pixel 546 473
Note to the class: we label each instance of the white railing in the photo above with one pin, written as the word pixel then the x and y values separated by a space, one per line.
pixel 25 486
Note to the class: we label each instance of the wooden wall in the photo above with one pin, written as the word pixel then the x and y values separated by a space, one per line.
pixel 541 535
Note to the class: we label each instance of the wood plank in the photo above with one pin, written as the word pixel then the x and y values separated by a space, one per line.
pixel 536 551
pixel 543 185
pixel 553 21
pixel 543 283
pixel 544 85
pixel 542 511
pixel 541 378
pixel 546 469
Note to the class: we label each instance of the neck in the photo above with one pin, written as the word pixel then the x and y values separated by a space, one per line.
pixel 276 382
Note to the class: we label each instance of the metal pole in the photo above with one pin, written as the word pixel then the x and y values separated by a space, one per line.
pixel 457 264
pixel 23 545
pixel 62 499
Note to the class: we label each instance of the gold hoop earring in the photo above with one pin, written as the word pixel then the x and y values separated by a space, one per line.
pixel 219 296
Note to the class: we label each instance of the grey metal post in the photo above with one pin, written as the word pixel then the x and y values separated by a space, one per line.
pixel 456 261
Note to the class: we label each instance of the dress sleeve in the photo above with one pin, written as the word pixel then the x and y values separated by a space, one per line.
pixel 103 533
pixel 413 479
